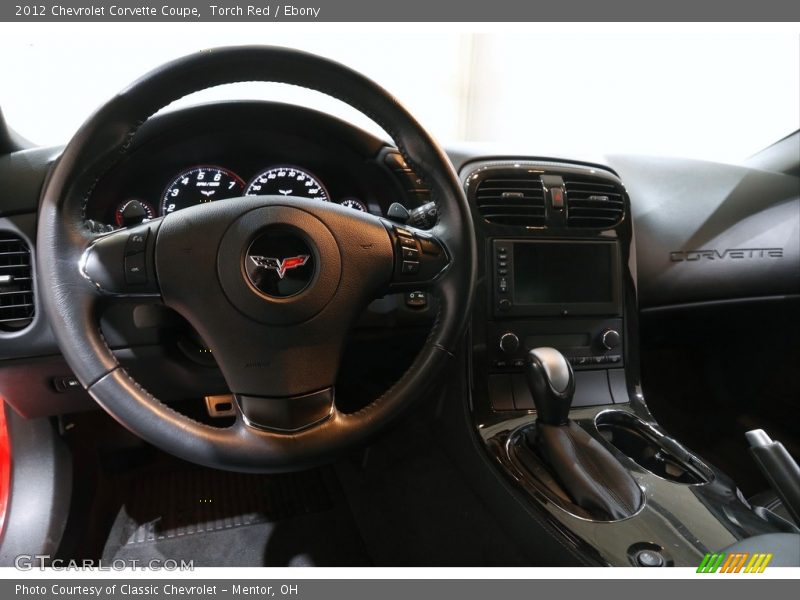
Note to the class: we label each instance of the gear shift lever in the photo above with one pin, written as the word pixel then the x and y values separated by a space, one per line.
pixel 587 472
pixel 552 385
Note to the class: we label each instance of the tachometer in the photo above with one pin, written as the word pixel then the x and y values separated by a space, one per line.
pixel 287 181
pixel 199 185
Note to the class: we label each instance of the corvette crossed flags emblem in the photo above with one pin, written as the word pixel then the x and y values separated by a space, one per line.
pixel 278 265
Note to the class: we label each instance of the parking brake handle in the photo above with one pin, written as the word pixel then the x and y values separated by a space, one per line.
pixel 780 469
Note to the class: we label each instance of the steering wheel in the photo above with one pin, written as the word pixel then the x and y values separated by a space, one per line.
pixel 272 284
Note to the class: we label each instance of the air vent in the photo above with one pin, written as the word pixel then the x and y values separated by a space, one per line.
pixel 512 201
pixel 16 283
pixel 593 202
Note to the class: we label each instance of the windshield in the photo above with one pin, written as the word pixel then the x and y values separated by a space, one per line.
pixel 712 93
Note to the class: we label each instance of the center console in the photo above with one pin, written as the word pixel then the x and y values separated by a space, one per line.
pixel 557 293
pixel 564 294
pixel 557 241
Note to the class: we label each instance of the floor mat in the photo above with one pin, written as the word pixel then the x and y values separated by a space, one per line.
pixel 217 518
pixel 414 508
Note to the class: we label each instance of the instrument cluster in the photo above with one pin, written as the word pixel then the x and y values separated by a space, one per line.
pixel 210 183
pixel 210 153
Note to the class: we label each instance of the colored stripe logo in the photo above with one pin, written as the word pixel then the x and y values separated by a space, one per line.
pixel 736 562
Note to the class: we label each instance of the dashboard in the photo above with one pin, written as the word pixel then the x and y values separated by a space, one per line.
pixel 232 149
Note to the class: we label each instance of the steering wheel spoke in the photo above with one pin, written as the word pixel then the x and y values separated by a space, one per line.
pixel 122 263
pixel 286 414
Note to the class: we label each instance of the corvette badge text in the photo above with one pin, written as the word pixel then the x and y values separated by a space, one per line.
pixel 727 254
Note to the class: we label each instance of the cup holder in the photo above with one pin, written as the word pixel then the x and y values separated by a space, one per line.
pixel 650 449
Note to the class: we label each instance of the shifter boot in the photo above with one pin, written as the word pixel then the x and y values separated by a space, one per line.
pixel 592 477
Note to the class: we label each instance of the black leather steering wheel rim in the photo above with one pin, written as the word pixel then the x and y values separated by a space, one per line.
pixel 69 300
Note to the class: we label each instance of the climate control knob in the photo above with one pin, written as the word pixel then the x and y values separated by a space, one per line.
pixel 509 342
pixel 610 339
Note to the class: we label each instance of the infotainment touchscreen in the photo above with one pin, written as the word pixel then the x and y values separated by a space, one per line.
pixel 556 277
pixel 563 273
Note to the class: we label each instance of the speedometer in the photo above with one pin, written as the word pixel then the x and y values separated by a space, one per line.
pixel 200 185
pixel 287 181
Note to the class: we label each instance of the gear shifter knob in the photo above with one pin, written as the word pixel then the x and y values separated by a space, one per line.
pixel 552 385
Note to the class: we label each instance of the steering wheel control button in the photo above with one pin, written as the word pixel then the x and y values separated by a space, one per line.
pixel 137 242
pixel 649 558
pixel 428 246
pixel 279 263
pixel 410 254
pixel 135 269
pixel 417 300
pixel 117 263
pixel 419 257
pixel 410 267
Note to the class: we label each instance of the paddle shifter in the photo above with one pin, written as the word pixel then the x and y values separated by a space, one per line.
pixel 589 474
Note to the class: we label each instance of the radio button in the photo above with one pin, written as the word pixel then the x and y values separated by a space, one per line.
pixel 610 339
pixel 509 342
